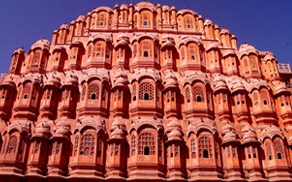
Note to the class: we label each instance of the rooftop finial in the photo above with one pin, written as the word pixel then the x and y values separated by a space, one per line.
pixel 144 0
pixel 185 7
pixel 22 47
pixel 245 42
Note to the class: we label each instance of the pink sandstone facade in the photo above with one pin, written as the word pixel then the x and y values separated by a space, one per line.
pixel 144 92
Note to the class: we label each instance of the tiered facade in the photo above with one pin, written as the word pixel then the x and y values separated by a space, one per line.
pixel 144 92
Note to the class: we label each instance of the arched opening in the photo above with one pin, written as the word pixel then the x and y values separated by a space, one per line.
pixel 145 23
pixel 146 151
pixel 265 102
pixel 134 98
pixel 249 156
pixel 101 24
pixel 171 155
pixel 133 152
pixel 279 155
pixel 97 55
pixel 93 97
pixel 146 96
pixel 25 97
pixel 192 58
pixel 145 54
pixel 205 154
pixel 193 155
pixel 270 157
pixel 199 99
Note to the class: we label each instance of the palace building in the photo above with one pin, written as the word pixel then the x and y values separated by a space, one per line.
pixel 145 92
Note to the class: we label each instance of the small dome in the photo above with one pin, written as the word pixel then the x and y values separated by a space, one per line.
pixel 64 26
pixel 117 6
pixel 269 57
pixel 172 8
pixel 230 136
pixel 18 51
pixel 249 136
pixel 227 128
pixel 175 134
pixel 165 8
pixel 52 81
pixel 246 49
pixel 224 31
pixel 71 80
pixel 158 5
pixel 212 46
pixel 124 7
pixel 42 43
pixel 81 18
pixel 72 22
pixel 42 128
pixel 118 133
pixel 118 123
pixel 219 84
pixel 208 22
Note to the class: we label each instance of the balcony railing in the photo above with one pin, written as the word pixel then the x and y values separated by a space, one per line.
pixel 284 68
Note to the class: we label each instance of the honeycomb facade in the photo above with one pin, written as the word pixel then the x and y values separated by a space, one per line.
pixel 144 92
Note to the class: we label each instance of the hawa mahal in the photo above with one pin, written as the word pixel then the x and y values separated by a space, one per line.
pixel 145 92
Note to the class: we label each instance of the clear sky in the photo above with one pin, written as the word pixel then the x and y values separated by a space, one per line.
pixel 265 24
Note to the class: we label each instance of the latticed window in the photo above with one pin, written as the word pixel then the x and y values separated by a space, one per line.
pixel 99 147
pixel 135 50
pixel 188 95
pixel 228 152
pixel 83 92
pixel 192 52
pixel 133 145
pixel 255 99
pixel 158 94
pixel 36 57
pixel 36 147
pixel 146 145
pixel 89 51
pixel 104 92
pixel 145 20
pixel 205 148
pixel 26 92
pixel 146 49
pixel 233 152
pixel 193 148
pixel 134 92
pixel 198 94
pixel 264 97
pixel 101 20
pixel 76 144
pixel 98 50
pixel 188 22
pixel 253 63
pixel 12 145
pixel 87 145
pixel 93 92
pixel 183 53
pixel 268 150
pixel 146 91
pixel 108 53
pixel 278 149
pixel 34 94
pixel 114 149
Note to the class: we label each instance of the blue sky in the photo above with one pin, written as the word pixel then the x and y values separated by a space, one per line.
pixel 265 24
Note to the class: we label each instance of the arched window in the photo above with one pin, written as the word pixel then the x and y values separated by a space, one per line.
pixel 264 97
pixel 278 149
pixel 101 20
pixel 188 22
pixel 26 91
pixel 76 145
pixel 192 53
pixel 108 52
pixel 135 50
pixel 146 91
pixel 198 94
pixel 87 145
pixel 99 147
pixel 188 95
pixel 146 144
pixel 83 92
pixel 133 145
pixel 36 56
pixel 193 148
pixel 104 93
pixel 253 63
pixel 145 20
pixel 146 49
pixel 268 150
pixel 98 50
pixel 11 148
pixel 205 148
pixel 134 92
pixel 93 92
pixel 183 53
